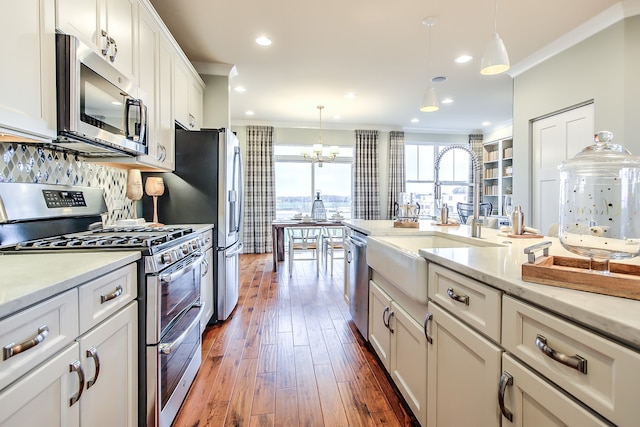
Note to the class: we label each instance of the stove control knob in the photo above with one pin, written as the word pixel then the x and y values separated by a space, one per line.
pixel 195 244
pixel 166 258
pixel 185 249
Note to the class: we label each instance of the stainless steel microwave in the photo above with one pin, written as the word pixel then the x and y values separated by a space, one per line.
pixel 99 113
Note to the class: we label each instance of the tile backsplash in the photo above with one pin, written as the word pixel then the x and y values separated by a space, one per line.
pixel 34 163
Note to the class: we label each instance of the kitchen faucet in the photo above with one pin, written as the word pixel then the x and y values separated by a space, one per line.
pixel 475 221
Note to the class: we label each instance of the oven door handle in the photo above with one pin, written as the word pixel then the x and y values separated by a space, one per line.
pixel 167 348
pixel 170 277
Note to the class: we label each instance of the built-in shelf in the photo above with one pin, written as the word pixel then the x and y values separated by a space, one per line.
pixel 497 161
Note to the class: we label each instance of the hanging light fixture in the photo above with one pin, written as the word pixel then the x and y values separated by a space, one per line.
pixel 495 59
pixel 316 154
pixel 430 99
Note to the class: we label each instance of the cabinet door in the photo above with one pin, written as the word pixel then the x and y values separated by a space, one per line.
pixel 195 103
pixel 533 402
pixel 463 367
pixel 81 18
pixel 206 293
pixel 27 81
pixel 120 23
pixel 165 129
pixel 109 357
pixel 181 93
pixel 379 313
pixel 409 360
pixel 42 397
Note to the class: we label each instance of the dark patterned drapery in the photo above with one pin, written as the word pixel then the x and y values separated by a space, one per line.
pixel 259 190
pixel 396 170
pixel 366 197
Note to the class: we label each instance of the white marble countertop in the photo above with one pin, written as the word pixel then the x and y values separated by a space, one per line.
pixel 501 267
pixel 26 279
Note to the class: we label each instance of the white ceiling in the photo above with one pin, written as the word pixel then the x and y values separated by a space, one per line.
pixel 378 49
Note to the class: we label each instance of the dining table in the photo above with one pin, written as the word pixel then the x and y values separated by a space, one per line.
pixel 277 229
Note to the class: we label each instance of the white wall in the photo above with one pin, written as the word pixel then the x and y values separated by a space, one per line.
pixel 604 68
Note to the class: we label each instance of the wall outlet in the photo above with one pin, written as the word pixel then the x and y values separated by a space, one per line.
pixel 118 205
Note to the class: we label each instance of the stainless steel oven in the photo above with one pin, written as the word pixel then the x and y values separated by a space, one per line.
pixel 40 217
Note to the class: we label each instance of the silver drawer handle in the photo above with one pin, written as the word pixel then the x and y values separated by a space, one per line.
pixel 576 362
pixel 427 318
pixel 76 367
pixel 93 353
pixel 384 317
pixel 112 295
pixel 459 298
pixel 13 349
pixel 505 380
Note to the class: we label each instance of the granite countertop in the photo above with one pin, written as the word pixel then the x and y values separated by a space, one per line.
pixel 501 267
pixel 27 279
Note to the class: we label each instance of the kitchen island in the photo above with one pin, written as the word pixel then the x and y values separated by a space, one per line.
pixel 456 326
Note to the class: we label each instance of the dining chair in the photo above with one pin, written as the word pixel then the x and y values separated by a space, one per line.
pixel 304 241
pixel 465 210
pixel 333 244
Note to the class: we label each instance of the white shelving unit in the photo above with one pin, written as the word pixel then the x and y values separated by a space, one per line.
pixel 497 161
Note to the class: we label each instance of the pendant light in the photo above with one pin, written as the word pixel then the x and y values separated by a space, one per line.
pixel 430 99
pixel 495 59
pixel 316 154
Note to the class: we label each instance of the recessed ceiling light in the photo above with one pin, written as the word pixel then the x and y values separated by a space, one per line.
pixel 351 95
pixel 415 120
pixel 116 102
pixel 439 79
pixel 248 113
pixel 337 117
pixel 446 101
pixel 463 59
pixel 240 89
pixel 263 41
pixel 486 123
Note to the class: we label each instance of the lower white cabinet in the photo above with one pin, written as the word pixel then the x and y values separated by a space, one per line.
pixel 92 380
pixel 527 400
pixel 206 293
pixel 400 344
pixel 463 371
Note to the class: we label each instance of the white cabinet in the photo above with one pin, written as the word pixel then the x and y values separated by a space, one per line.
pixel 28 86
pixel 155 64
pixel 188 93
pixel 92 379
pixel 206 293
pixel 108 26
pixel 527 400
pixel 400 343
pixel 463 371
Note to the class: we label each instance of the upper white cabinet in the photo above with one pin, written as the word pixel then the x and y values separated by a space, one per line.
pixel 188 93
pixel 28 87
pixel 108 26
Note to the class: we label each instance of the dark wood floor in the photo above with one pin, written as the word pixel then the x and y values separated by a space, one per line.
pixel 290 356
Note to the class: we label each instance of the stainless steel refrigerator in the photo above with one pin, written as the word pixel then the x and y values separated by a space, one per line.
pixel 207 187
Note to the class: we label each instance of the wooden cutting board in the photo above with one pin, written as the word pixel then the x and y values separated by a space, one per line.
pixel 574 273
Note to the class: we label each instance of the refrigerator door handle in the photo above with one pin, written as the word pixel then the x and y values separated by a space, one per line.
pixel 235 252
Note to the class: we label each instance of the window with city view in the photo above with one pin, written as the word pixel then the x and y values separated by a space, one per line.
pixel 297 182
pixel 420 176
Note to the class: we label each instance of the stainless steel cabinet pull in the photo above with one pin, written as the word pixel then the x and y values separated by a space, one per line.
pixel 427 318
pixel 13 349
pixel 93 353
pixel 505 380
pixel 391 313
pixel 76 367
pixel 459 298
pixel 106 48
pixel 385 321
pixel 112 57
pixel 576 362
pixel 112 295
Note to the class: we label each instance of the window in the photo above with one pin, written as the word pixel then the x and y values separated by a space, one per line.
pixel 420 175
pixel 298 180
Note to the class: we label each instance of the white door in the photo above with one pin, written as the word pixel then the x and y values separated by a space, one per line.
pixel 555 138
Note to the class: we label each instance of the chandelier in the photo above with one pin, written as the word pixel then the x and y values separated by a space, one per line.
pixel 317 154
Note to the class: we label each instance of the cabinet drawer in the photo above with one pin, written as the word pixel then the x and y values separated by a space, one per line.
pixel 54 323
pixel 605 380
pixel 474 302
pixel 102 297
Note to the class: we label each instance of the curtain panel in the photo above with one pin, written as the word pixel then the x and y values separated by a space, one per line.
pixel 396 170
pixel 259 190
pixel 366 197
pixel 475 145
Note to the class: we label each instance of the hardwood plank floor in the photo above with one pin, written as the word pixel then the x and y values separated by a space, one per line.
pixel 290 355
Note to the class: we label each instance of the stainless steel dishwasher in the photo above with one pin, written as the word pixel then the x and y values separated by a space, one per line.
pixel 359 282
